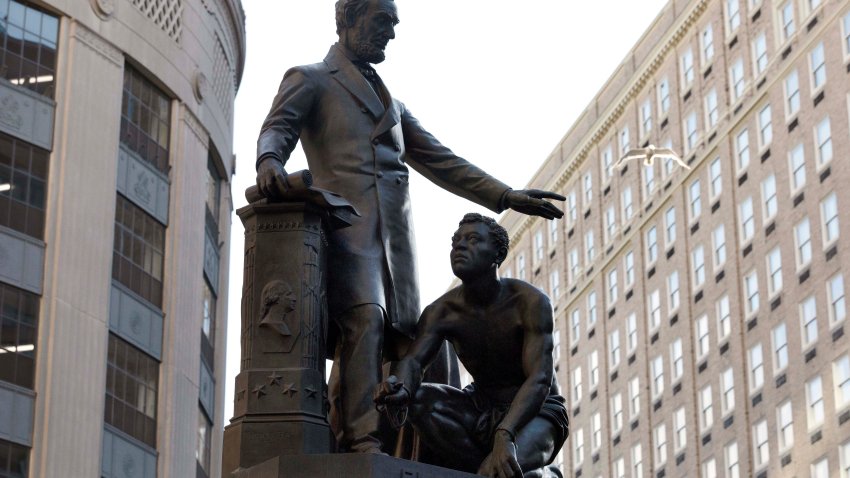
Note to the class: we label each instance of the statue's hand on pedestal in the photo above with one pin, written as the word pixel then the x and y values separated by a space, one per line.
pixel 271 178
pixel 531 202
pixel 502 461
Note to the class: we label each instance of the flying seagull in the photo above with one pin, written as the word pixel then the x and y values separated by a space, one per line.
pixel 648 154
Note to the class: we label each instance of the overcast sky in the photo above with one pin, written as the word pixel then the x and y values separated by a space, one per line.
pixel 500 82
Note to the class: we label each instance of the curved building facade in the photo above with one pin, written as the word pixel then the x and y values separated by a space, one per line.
pixel 116 140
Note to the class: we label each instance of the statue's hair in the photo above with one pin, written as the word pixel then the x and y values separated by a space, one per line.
pixel 347 11
pixel 497 233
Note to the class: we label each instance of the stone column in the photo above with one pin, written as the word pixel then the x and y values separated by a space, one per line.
pixel 281 398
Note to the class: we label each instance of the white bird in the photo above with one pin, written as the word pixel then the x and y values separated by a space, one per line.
pixel 648 154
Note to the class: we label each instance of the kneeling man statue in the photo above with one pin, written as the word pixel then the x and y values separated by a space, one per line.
pixel 511 421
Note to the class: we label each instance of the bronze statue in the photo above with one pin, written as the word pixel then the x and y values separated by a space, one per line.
pixel 359 140
pixel 511 421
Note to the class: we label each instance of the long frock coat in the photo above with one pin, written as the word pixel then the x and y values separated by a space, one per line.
pixel 360 149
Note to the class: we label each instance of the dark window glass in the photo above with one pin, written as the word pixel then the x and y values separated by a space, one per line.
pixel 202 452
pixel 18 326
pixel 23 173
pixel 28 46
pixel 138 251
pixel 208 327
pixel 132 378
pixel 213 186
pixel 145 119
pixel 14 459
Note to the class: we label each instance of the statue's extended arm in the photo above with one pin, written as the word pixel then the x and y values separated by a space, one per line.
pixel 406 375
pixel 281 130
pixel 537 365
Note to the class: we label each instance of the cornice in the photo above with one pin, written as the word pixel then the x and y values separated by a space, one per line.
pixel 97 43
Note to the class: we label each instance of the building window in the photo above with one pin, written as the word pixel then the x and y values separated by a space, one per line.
pixel 809 321
pixel 610 224
pixel 703 339
pixel 748 221
pixel 733 469
pixel 792 94
pixel 768 198
pixel 698 264
pixel 628 205
pixel 660 435
pixel 669 164
pixel 765 126
pixel 14 459
pixel 23 172
pixel 814 402
pixel 145 120
pixel 648 180
pixel 625 144
pixel 774 271
pixel 575 326
pixel 664 96
pixel 670 226
pixel 680 433
pixel 785 425
pixel 138 251
pixel 846 32
pixel 835 296
pixel 575 266
pixel 844 455
pixel 538 246
pixel 612 287
pixel 596 435
pixel 18 329
pixel 591 309
pixel 820 469
pixel 817 63
pixel 715 172
pixel 841 378
pixel 803 243
pixel 645 118
pixel 707 40
pixel 706 415
pixel 208 327
pixel 733 15
pixel 131 391
pixel 634 398
pixel 657 367
pixel 607 164
pixel 555 285
pixel 718 242
pixel 687 68
pixel 520 266
pixel 619 468
pixel 829 218
pixel 736 73
pixel 761 451
pixel 651 245
pixel 709 468
pixel 588 189
pixel 779 336
pixel 724 318
pixel 654 310
pixel 677 358
pixel 760 53
pixel 637 460
pixel 593 367
pixel 797 162
pixel 556 347
pixel 727 390
pixel 203 451
pixel 577 385
pixel 28 46
pixel 673 291
pixel 213 187
pixel 589 247
pixel 786 20
pixel 751 293
pixel 742 150
pixel 614 347
pixel 695 197
pixel 553 234
pixel 712 110
pixel 630 269
pixel 578 448
pixel 690 132
pixel 631 331
pixel 572 208
pixel 823 142
pixel 756 357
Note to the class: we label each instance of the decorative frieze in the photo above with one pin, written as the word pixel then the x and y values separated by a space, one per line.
pixel 142 184
pixel 125 458
pixel 26 115
pixel 21 260
pixel 135 321
pixel 16 414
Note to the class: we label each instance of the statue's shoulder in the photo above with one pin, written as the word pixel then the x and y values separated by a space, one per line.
pixel 312 71
pixel 530 292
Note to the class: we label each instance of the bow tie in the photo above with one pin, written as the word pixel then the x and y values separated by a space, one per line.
pixel 368 72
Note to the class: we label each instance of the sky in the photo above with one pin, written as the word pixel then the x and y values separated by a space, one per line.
pixel 499 82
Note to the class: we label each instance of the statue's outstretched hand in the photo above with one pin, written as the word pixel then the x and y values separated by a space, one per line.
pixel 391 392
pixel 271 178
pixel 531 202
pixel 502 461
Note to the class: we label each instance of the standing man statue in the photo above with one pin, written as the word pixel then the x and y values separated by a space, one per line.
pixel 358 141
pixel 511 421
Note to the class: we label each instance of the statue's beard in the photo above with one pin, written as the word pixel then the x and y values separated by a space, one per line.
pixel 368 52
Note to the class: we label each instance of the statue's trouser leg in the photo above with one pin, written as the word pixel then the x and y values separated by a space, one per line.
pixel 360 358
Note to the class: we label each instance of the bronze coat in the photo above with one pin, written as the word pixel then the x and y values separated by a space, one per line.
pixel 359 149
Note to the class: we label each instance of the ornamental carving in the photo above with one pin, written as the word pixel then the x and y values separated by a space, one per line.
pixel 9 112
pixel 103 8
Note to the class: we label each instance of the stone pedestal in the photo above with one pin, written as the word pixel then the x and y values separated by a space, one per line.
pixel 346 465
pixel 280 405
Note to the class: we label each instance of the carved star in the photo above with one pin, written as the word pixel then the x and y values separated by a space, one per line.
pixel 240 395
pixel 289 389
pixel 274 379
pixel 310 392
pixel 259 390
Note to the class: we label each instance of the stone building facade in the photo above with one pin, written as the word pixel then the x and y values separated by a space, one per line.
pixel 116 140
pixel 701 313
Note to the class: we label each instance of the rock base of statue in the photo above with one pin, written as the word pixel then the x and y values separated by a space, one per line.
pixel 360 465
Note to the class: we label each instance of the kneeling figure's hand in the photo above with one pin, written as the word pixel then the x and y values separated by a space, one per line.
pixel 391 392
pixel 502 461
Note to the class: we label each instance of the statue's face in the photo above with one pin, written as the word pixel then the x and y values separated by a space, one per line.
pixel 473 251
pixel 372 30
